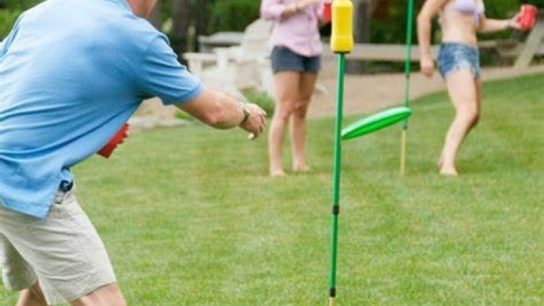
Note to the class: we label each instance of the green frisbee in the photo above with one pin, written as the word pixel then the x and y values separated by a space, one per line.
pixel 376 122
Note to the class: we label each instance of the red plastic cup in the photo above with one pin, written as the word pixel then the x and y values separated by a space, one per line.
pixel 108 149
pixel 527 19
pixel 327 12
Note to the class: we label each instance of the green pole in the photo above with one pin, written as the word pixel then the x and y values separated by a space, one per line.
pixel 407 72
pixel 408 60
pixel 336 175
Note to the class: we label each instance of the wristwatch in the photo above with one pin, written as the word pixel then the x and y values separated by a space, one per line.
pixel 243 106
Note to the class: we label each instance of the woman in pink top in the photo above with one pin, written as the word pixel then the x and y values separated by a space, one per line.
pixel 295 63
pixel 458 63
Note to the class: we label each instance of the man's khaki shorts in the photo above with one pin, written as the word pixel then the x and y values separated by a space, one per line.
pixel 64 252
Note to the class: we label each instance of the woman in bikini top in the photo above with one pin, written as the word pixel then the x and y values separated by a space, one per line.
pixel 461 19
pixel 458 62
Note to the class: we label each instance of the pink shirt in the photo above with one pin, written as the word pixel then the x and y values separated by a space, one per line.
pixel 299 32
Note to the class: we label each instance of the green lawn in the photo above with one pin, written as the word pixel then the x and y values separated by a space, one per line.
pixel 190 217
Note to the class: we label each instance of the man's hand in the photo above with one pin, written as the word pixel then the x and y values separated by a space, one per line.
pixel 255 121
pixel 427 66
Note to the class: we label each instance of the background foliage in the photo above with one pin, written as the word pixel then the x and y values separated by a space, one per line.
pixel 233 15
pixel 386 22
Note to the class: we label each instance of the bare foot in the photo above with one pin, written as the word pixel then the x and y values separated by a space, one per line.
pixel 277 173
pixel 301 168
pixel 440 163
pixel 448 171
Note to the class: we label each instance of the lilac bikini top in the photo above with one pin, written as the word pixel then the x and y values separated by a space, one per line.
pixel 475 8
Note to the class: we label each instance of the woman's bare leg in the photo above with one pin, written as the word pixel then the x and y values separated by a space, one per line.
pixel 464 94
pixel 298 121
pixel 286 87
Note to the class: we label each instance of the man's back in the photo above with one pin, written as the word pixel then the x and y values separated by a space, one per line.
pixel 66 55
pixel 71 72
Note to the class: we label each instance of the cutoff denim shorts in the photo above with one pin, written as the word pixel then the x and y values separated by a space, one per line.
pixel 284 59
pixel 455 56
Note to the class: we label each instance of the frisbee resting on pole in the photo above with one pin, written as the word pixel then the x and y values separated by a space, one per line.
pixel 388 117
pixel 342 43
pixel 376 122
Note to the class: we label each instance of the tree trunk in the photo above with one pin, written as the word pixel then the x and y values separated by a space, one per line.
pixel 200 22
pixel 155 17
pixel 181 13
pixel 362 33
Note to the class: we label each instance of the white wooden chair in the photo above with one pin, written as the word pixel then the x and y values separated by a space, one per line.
pixel 236 67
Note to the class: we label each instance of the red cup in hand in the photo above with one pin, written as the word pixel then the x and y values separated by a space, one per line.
pixel 108 149
pixel 327 12
pixel 527 18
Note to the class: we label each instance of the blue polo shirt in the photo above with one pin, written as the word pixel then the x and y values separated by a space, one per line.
pixel 72 72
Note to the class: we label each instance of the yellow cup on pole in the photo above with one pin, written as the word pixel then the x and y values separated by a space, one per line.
pixel 342 26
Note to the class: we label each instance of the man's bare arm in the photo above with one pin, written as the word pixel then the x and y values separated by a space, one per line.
pixel 221 111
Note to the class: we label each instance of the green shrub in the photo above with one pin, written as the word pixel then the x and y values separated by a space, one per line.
pixel 7 19
pixel 538 3
pixel 233 15
pixel 260 98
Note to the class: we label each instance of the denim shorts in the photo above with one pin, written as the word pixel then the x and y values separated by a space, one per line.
pixel 284 59
pixel 455 56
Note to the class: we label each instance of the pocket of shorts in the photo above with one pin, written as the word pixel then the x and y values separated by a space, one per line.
pixel 59 198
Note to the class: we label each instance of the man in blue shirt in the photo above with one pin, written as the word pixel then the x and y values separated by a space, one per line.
pixel 71 74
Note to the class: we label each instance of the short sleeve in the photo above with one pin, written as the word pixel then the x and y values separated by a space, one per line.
pixel 320 9
pixel 272 9
pixel 161 75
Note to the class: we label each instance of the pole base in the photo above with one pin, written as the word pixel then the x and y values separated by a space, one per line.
pixel 331 301
pixel 403 153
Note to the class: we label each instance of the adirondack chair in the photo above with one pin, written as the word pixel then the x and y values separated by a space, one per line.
pixel 238 67
pixel 534 44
